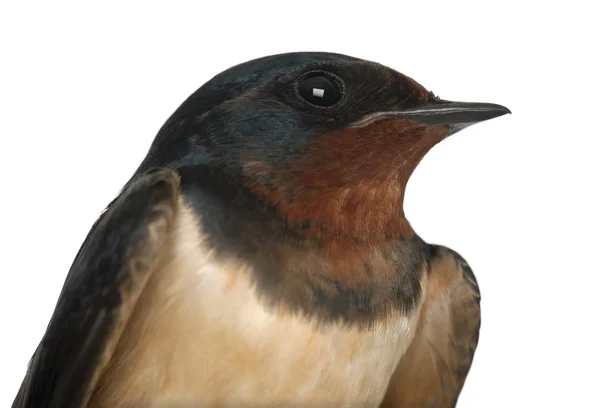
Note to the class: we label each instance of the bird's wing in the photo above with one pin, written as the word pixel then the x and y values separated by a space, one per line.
pixel 99 294
pixel 433 370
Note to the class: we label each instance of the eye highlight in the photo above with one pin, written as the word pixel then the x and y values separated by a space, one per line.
pixel 320 89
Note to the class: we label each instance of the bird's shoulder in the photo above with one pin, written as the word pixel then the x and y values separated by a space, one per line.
pixel 100 292
pixel 434 368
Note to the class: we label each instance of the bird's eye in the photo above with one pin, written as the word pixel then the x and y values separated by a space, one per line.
pixel 320 89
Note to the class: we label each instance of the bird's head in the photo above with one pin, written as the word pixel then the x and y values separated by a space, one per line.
pixel 325 140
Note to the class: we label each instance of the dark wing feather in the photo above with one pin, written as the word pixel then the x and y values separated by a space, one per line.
pixel 432 372
pixel 99 293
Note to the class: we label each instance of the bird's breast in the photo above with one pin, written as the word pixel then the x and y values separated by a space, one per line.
pixel 201 335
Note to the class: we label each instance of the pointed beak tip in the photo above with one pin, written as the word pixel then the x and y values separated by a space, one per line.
pixel 494 111
pixel 503 110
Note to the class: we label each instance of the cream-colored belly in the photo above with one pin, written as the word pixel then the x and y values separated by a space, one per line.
pixel 201 337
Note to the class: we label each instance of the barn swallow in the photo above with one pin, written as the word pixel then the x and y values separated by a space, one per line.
pixel 260 255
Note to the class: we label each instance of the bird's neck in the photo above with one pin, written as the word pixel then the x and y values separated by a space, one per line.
pixel 361 216
pixel 320 275
pixel 362 213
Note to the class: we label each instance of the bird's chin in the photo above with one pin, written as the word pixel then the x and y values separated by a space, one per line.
pixel 457 128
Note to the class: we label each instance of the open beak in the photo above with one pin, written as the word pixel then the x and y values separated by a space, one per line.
pixel 456 115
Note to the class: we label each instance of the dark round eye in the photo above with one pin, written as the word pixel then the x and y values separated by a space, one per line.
pixel 320 89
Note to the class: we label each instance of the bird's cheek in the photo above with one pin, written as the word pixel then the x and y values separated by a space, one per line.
pixel 375 151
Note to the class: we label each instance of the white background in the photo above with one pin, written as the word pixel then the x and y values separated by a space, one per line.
pixel 84 89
